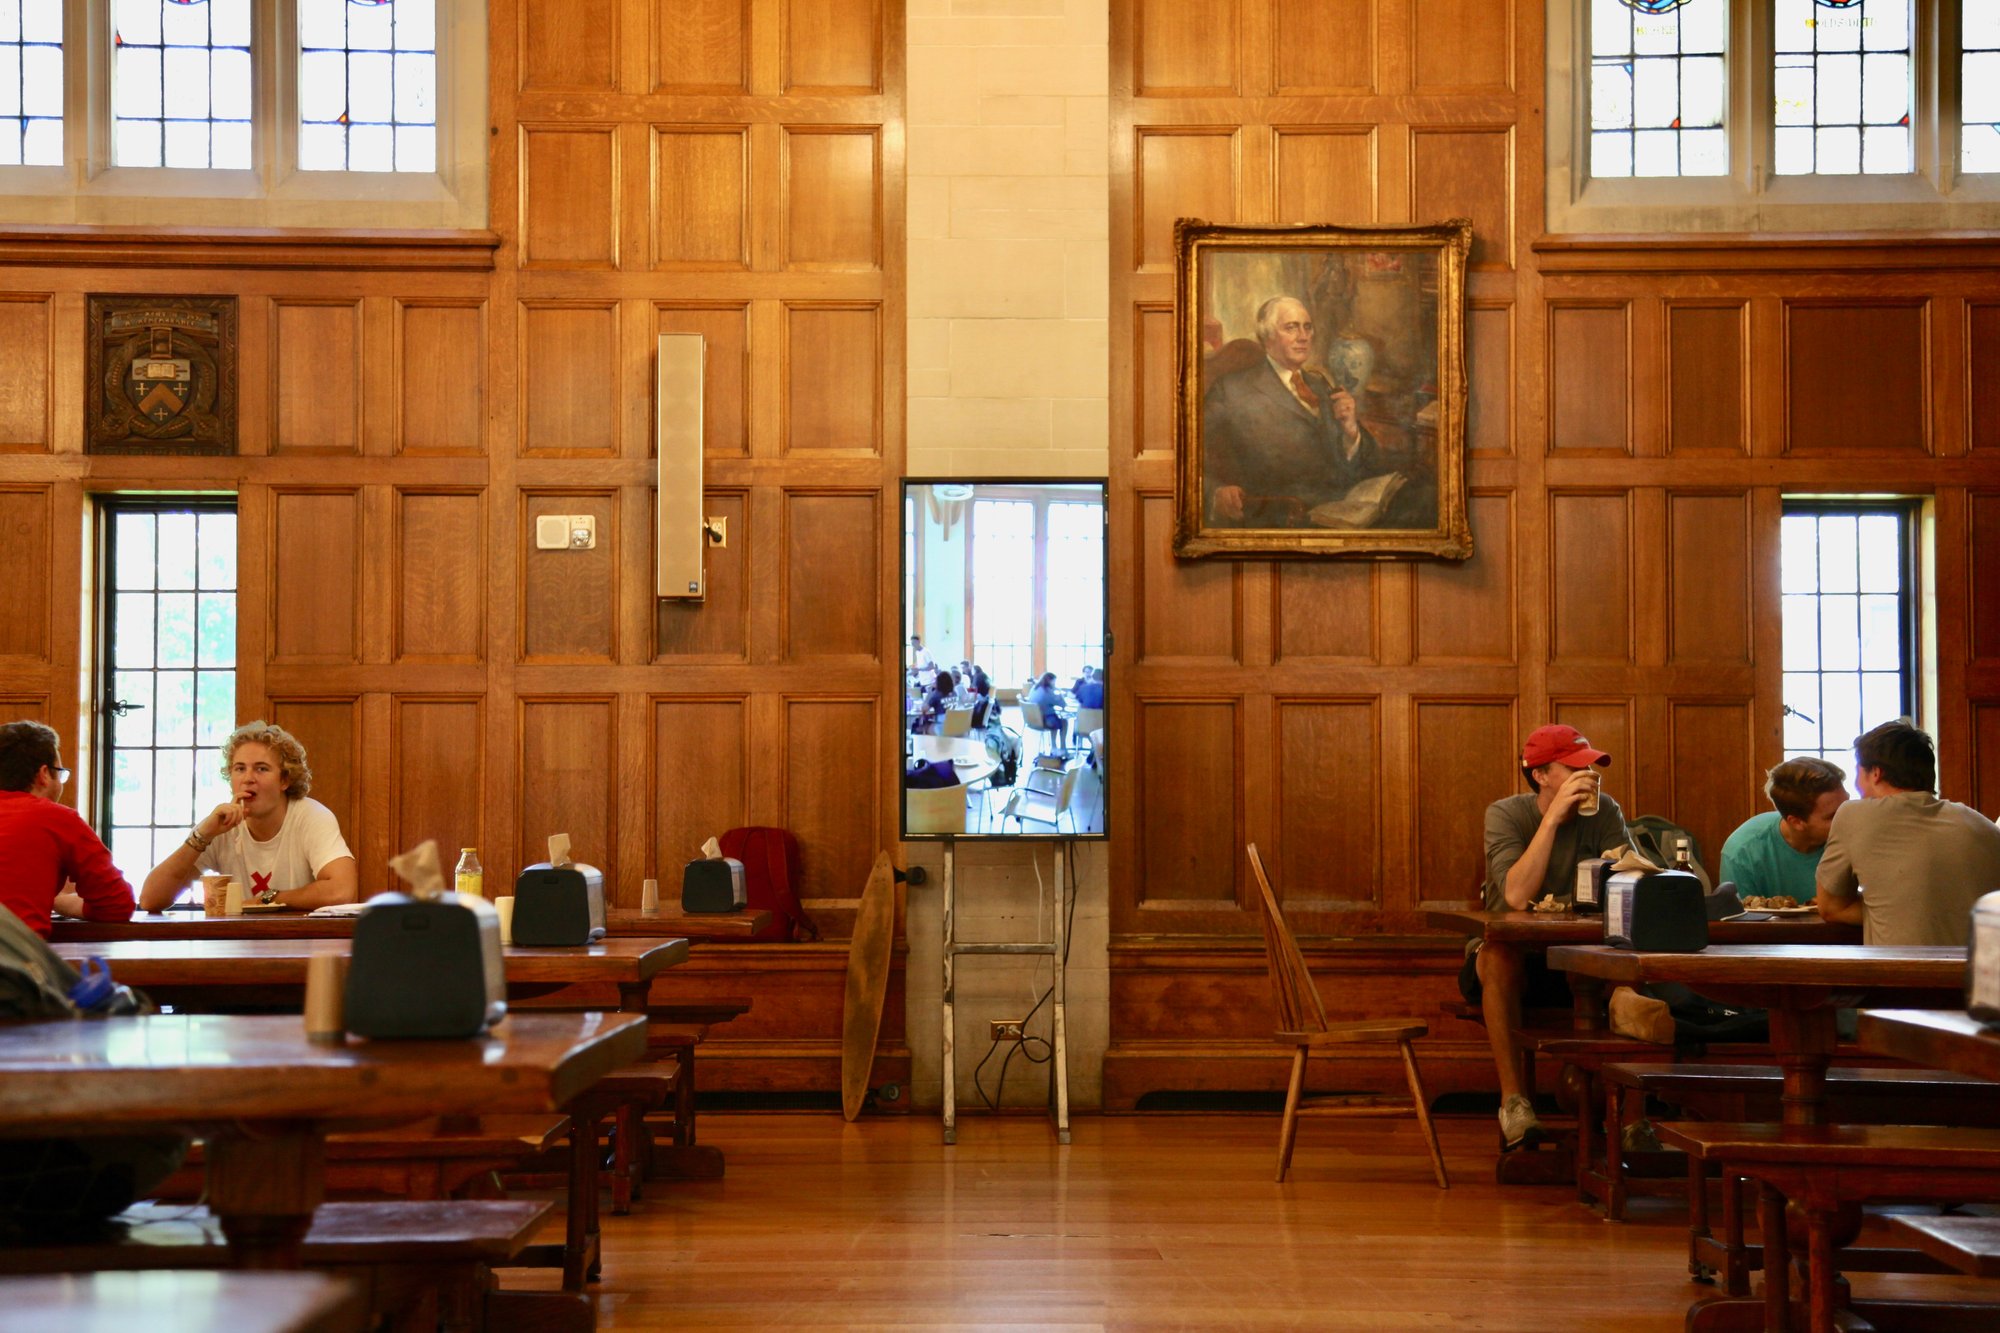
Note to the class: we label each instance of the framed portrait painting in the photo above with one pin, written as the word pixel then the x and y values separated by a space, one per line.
pixel 1321 391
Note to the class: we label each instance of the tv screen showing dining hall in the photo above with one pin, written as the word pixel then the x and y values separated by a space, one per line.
pixel 1004 668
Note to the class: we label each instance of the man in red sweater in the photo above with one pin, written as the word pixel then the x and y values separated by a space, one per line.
pixel 45 844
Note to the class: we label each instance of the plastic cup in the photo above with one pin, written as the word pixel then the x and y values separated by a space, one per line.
pixel 232 899
pixel 505 907
pixel 326 997
pixel 649 896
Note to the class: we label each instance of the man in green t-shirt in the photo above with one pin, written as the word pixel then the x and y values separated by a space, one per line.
pixel 1777 852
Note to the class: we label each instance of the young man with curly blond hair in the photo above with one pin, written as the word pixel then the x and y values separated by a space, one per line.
pixel 272 838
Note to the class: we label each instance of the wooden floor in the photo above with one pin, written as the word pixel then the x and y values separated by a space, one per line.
pixel 1144 1222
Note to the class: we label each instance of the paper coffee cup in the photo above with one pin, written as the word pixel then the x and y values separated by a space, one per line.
pixel 1588 805
pixel 505 907
pixel 214 891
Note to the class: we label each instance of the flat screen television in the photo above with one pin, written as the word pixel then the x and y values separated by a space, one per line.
pixel 1006 649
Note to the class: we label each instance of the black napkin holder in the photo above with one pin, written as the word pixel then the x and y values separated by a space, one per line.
pixel 425 968
pixel 711 885
pixel 558 906
pixel 1655 911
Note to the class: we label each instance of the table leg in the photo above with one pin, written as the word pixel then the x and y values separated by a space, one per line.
pixel 1803 1040
pixel 1586 1003
pixel 264 1181
pixel 1777 1259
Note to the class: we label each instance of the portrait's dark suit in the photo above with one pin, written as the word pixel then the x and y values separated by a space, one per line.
pixel 1259 435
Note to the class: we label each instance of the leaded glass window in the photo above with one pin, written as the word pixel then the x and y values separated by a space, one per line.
pixel 1979 95
pixel 1658 87
pixel 1842 87
pixel 180 83
pixel 368 85
pixel 31 84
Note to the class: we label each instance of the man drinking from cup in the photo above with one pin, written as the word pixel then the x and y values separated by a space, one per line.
pixel 1533 842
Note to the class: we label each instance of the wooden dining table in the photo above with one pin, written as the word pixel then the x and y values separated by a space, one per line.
pixel 667 923
pixel 1934 1038
pixel 263 1096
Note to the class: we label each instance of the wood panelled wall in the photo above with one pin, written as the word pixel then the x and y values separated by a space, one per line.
pixel 1638 410
pixel 411 405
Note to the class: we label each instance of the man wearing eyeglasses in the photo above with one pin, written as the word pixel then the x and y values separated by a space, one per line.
pixel 49 858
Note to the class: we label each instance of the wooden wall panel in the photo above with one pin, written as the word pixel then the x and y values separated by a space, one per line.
pixel 833 188
pixel 33 708
pixel 1323 768
pixel 1710 578
pixel 1708 379
pixel 716 628
pixel 1590 577
pixel 1462 44
pixel 834 811
pixel 1323 46
pixel 699 781
pixel 440 577
pixel 833 378
pixel 1712 778
pixel 833 45
pixel 1326 176
pixel 701 198
pixel 1464 612
pixel 441 377
pixel 569 599
pixel 832 541
pixel 1153 382
pixel 1985 794
pixel 725 379
pixel 1467 173
pixel 1983 561
pixel 1608 725
pixel 438 744
pixel 569 196
pixel 331 733
pixel 25 327
pixel 1884 410
pixel 315 550
pixel 1186 843
pixel 1589 378
pixel 26 544
pixel 316 377
pixel 1327 611
pixel 1181 174
pixel 701 46
pixel 1982 339
pixel 1467 756
pixel 569 357
pixel 569 45
pixel 1188 609
pixel 1184 50
pixel 1489 368
pixel 567 744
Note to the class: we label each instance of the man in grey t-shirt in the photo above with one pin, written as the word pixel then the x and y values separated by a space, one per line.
pixel 1903 865
pixel 1533 842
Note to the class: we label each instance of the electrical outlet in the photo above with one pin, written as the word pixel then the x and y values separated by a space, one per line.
pixel 1005 1029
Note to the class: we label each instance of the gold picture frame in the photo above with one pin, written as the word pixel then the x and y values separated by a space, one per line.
pixel 1320 391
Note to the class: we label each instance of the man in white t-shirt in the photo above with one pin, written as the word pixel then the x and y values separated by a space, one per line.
pixel 282 846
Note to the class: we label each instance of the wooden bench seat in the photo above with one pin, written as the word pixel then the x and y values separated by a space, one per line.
pixel 438 1158
pixel 1969 1244
pixel 1826 1172
pixel 422 1263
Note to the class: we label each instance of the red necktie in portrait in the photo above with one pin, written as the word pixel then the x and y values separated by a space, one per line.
pixel 1304 391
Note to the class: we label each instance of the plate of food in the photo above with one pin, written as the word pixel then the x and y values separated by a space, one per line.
pixel 1782 904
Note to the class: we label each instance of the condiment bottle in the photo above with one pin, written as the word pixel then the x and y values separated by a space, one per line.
pixel 469 877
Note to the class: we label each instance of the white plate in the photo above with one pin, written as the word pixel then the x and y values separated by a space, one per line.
pixel 1807 910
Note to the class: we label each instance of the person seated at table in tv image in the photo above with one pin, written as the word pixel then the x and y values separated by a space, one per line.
pixel 1900 863
pixel 1777 853
pixel 50 860
pixel 282 846
pixel 936 700
pixel 1533 841
pixel 1043 696
pixel 1089 688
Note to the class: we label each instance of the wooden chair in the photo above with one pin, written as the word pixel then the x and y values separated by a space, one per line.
pixel 1304 1027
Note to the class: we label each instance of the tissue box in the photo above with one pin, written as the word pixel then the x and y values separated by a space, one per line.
pixel 426 968
pixel 713 885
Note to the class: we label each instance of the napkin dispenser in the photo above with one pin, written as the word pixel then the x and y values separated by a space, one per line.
pixel 1655 911
pixel 426 968
pixel 713 884
pixel 1592 875
pixel 558 905
pixel 1982 962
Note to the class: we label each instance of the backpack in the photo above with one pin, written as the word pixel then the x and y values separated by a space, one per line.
pixel 770 858
pixel 1006 746
pixel 1653 837
pixel 65 1188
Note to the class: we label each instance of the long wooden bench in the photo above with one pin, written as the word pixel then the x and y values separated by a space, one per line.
pixel 1827 1172
pixel 423 1264
pixel 1969 1244
pixel 438 1158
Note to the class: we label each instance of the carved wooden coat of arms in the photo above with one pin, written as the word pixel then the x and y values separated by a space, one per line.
pixel 161 376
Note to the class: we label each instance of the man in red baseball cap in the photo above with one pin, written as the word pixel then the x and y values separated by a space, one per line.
pixel 1533 842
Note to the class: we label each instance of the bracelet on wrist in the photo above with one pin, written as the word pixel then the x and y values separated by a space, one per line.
pixel 196 841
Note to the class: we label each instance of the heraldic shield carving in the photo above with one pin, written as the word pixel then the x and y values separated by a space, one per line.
pixel 162 375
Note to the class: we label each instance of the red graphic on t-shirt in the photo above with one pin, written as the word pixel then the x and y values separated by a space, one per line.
pixel 263 882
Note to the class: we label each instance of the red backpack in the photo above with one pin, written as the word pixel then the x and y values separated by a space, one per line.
pixel 770 858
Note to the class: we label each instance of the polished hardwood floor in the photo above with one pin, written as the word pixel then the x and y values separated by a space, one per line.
pixel 1143 1222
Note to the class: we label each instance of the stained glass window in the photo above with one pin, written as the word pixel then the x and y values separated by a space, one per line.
pixel 1842 87
pixel 368 85
pixel 1979 98
pixel 180 83
pixel 1658 87
pixel 31 84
